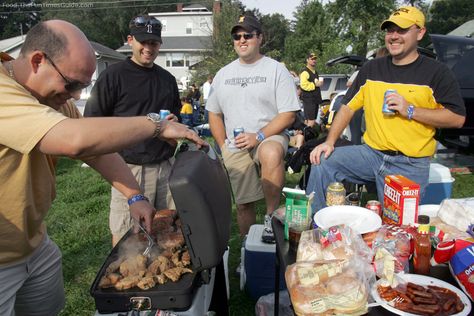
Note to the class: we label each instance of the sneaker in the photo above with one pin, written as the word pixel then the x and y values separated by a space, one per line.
pixel 267 234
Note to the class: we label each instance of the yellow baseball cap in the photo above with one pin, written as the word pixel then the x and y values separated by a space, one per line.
pixel 405 17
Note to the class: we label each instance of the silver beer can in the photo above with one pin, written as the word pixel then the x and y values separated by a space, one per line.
pixel 237 131
pixel 164 114
pixel 385 109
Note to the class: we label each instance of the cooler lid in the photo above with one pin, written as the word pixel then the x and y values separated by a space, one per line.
pixel 202 195
pixel 439 174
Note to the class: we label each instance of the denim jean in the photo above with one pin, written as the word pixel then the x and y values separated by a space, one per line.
pixel 360 164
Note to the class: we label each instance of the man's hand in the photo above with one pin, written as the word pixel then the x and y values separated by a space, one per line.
pixel 172 117
pixel 143 210
pixel 396 102
pixel 246 140
pixel 318 82
pixel 175 130
pixel 315 155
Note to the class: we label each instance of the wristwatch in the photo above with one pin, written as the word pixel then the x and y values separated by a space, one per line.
pixel 260 136
pixel 410 111
pixel 155 118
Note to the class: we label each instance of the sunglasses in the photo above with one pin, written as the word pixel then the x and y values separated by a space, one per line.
pixel 71 85
pixel 399 30
pixel 141 21
pixel 246 36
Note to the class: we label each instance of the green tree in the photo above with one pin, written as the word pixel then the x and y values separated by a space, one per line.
pixel 275 30
pixel 221 51
pixel 359 22
pixel 312 30
pixel 446 15
pixel 16 18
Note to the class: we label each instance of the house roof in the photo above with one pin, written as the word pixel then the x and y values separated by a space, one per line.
pixel 195 7
pixel 11 43
pixel 101 50
pixel 179 43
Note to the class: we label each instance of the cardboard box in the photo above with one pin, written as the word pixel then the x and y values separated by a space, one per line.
pixel 258 273
pixel 440 185
pixel 400 202
pixel 297 207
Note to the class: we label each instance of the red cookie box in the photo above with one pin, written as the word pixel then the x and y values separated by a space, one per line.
pixel 400 202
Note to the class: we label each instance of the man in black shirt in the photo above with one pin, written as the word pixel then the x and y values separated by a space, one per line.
pixel 310 84
pixel 138 86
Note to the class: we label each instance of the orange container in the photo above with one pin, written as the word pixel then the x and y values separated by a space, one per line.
pixel 400 201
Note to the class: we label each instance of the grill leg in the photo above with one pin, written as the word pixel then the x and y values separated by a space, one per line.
pixel 219 302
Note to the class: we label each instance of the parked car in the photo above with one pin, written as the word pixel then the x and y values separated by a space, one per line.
pixel 457 52
pixel 332 84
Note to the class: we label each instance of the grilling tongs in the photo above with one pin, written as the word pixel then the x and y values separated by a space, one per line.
pixel 151 242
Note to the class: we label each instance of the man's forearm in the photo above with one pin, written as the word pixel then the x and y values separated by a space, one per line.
pixel 217 127
pixel 279 123
pixel 114 169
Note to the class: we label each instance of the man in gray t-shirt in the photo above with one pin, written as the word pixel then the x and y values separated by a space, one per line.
pixel 258 94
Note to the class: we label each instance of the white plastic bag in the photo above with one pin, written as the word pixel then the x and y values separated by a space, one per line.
pixel 266 305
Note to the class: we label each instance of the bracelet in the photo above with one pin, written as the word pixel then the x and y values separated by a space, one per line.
pixel 410 111
pixel 136 198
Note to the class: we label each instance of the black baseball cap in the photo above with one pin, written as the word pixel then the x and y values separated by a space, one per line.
pixel 145 28
pixel 248 23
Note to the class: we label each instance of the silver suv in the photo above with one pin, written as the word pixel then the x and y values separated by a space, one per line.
pixel 333 84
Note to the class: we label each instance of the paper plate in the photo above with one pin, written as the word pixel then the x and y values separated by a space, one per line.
pixel 423 280
pixel 358 218
pixel 429 209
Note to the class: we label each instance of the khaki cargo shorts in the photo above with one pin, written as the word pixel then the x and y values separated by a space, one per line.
pixel 243 169
pixel 153 181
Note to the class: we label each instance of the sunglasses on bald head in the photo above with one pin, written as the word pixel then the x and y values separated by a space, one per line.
pixel 141 21
pixel 246 36
pixel 71 85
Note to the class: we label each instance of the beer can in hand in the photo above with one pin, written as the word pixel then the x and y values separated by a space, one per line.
pixel 164 114
pixel 385 109
pixel 237 131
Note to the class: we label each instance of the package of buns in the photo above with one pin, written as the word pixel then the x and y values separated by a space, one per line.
pixel 338 242
pixel 332 274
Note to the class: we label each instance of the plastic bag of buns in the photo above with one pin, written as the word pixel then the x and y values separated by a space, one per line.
pixel 332 274
pixel 338 242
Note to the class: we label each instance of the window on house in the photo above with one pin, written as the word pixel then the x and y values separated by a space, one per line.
pixel 203 23
pixel 189 28
pixel 163 23
pixel 177 60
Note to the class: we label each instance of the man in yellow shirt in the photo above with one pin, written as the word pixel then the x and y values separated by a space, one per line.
pixel 310 84
pixel 422 95
pixel 56 62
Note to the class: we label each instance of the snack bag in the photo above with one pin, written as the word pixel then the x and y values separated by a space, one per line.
pixel 461 265
pixel 392 251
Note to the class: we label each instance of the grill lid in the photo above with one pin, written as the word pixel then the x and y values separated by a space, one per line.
pixel 201 191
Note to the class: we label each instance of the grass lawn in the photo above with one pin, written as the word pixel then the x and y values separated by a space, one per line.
pixel 78 223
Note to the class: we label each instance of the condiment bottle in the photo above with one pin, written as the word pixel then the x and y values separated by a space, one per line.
pixel 336 194
pixel 422 254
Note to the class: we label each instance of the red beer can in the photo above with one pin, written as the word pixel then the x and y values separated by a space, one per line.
pixel 375 206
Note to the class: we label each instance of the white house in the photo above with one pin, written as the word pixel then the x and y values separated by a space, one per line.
pixel 186 34
pixel 105 56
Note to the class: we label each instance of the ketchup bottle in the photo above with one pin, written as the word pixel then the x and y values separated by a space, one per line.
pixel 422 255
